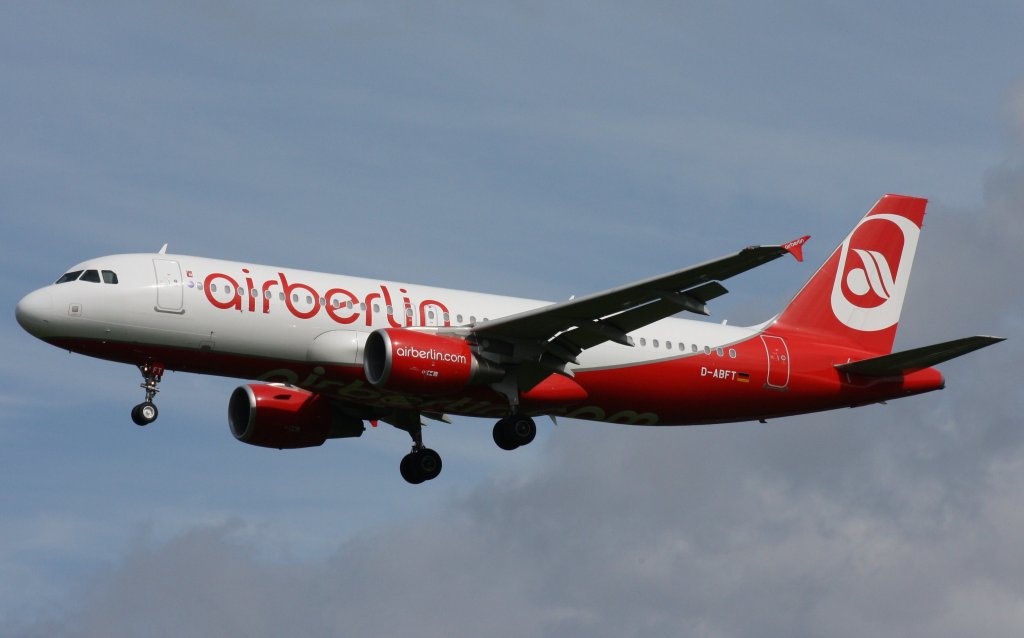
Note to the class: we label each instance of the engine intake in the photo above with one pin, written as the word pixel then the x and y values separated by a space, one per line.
pixel 422 363
pixel 284 417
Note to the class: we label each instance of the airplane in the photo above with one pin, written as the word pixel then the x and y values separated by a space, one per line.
pixel 329 353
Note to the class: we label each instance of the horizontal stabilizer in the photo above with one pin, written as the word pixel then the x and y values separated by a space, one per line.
pixel 909 361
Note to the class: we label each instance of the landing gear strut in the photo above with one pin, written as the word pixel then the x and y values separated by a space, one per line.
pixel 514 431
pixel 422 463
pixel 146 412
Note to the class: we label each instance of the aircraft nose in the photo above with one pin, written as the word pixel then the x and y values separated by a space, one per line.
pixel 33 312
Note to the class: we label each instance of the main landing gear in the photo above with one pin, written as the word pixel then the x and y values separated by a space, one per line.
pixel 514 431
pixel 517 429
pixel 421 464
pixel 146 412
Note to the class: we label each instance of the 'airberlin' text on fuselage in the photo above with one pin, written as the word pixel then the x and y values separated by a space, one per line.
pixel 341 305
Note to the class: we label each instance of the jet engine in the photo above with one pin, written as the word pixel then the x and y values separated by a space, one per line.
pixel 421 363
pixel 284 417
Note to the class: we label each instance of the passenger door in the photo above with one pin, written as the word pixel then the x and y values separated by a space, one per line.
pixel 169 288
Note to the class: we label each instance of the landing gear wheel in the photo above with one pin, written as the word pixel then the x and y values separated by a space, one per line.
pixel 514 431
pixel 523 430
pixel 144 413
pixel 420 465
pixel 502 437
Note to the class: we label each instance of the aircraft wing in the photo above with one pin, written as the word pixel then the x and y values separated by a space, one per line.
pixel 544 340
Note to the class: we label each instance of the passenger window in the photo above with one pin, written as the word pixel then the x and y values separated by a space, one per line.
pixel 430 314
pixel 280 296
pixel 309 300
pixel 92 276
pixel 732 353
pixel 682 347
pixel 240 291
pixel 707 349
pixel 69 276
pixel 109 277
pixel 254 293
pixel 446 317
pixel 694 348
pixel 376 307
pixel 654 343
pixel 295 298
pixel 643 341
pixel 323 302
pixel 408 312
pixel 391 310
pixel 472 319
pixel 458 318
pixel 668 345
pixel 720 352
pixel 268 294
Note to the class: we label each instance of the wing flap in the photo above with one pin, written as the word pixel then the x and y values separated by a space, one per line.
pixel 907 361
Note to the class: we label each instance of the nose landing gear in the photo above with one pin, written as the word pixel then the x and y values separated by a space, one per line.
pixel 146 412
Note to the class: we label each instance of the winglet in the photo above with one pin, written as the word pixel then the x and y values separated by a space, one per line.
pixel 796 247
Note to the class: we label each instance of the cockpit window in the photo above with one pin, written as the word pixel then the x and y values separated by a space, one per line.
pixel 91 276
pixel 68 276
pixel 109 277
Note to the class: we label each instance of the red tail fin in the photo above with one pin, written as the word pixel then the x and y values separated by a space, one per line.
pixel 856 296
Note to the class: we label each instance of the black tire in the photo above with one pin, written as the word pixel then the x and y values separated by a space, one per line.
pixel 428 463
pixel 503 436
pixel 409 470
pixel 145 413
pixel 420 466
pixel 522 430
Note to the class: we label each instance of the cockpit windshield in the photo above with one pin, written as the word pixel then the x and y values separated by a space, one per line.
pixel 93 276
pixel 68 276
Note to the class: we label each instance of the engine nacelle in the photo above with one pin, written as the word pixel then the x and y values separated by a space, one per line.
pixel 284 417
pixel 422 363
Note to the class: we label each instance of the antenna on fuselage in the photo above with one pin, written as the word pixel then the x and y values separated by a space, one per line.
pixel 163 250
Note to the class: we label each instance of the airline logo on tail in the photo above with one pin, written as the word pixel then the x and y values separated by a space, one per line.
pixel 874 268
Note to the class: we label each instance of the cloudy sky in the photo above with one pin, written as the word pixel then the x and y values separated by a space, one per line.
pixel 533 150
